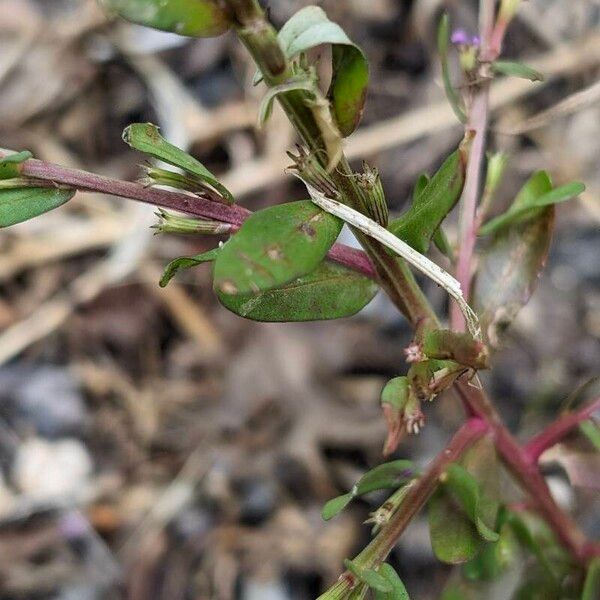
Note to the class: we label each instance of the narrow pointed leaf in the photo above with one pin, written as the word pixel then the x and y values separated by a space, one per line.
pixel 516 69
pixel 418 224
pixel 336 505
pixel 443 39
pixel 331 291
pixel 275 246
pixel 528 201
pixel 198 18
pixel 21 204
pixel 309 28
pixel 591 586
pixel 146 138
pixel 186 262
pixel 398 590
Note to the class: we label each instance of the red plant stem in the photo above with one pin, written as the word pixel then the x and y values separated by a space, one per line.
pixel 185 203
pixel 526 472
pixel 477 125
pixel 376 552
pixel 557 430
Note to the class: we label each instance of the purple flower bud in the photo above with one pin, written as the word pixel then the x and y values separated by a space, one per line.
pixel 459 37
pixel 475 41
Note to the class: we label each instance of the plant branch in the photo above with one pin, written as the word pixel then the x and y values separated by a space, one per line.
pixel 376 552
pixel 556 431
pixel 477 125
pixel 52 174
pixel 518 461
pixel 260 39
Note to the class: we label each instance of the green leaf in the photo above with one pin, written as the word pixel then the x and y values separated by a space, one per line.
pixel 465 489
pixel 21 204
pixel 275 246
pixel 443 43
pixel 146 138
pixel 331 291
pixel 398 590
pixel 439 237
pixel 389 475
pixel 591 431
pixel 454 539
pixel 373 579
pixel 494 558
pixel 186 262
pixel 199 18
pixel 540 542
pixel 309 28
pixel 508 272
pixel 295 83
pixel 335 506
pixel 516 69
pixel 430 207
pixel 10 166
pixel 536 193
pixel 591 586
pixel 395 392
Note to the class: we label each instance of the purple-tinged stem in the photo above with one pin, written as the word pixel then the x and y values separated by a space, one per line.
pixel 477 125
pixel 185 203
pixel 556 431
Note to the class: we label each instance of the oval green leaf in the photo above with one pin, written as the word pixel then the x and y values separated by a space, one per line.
pixel 275 246
pixel 196 18
pixel 389 475
pixel 309 28
pixel 21 204
pixel 398 590
pixel 329 292
pixel 454 539
pixel 373 579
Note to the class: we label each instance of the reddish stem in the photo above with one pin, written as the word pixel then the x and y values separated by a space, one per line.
pixel 526 472
pixel 185 203
pixel 376 552
pixel 477 124
pixel 556 431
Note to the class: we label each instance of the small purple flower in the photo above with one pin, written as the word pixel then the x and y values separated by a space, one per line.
pixel 460 37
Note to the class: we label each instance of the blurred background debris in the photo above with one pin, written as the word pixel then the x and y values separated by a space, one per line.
pixel 154 446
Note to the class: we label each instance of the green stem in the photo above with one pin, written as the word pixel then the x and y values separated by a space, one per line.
pixel 260 38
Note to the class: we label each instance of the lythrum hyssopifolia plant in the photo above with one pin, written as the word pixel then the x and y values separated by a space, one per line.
pixel 282 263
